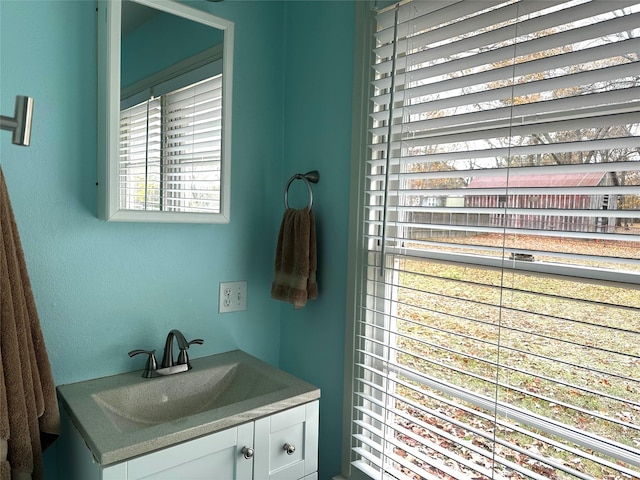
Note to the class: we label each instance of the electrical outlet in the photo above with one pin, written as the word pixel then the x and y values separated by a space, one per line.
pixel 233 297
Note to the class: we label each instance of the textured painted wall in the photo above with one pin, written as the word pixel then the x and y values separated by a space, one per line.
pixel 140 57
pixel 319 85
pixel 102 288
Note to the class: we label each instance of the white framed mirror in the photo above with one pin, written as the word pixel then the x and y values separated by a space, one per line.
pixel 165 73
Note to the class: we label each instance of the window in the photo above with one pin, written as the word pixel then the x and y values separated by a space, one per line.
pixel 497 313
pixel 170 150
pixel 140 137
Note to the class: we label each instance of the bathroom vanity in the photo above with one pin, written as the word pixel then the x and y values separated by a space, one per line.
pixel 231 417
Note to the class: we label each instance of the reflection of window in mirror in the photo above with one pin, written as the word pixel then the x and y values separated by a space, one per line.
pixel 170 114
pixel 170 138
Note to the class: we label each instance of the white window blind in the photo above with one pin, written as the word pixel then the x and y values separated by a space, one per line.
pixel 170 150
pixel 497 332
pixel 140 156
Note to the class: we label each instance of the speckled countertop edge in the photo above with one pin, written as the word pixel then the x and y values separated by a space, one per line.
pixel 109 445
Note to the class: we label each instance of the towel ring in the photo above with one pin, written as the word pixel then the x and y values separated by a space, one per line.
pixel 308 178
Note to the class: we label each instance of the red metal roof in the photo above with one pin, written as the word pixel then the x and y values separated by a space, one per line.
pixel 590 179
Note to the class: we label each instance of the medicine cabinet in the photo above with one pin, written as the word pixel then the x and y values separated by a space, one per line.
pixel 165 73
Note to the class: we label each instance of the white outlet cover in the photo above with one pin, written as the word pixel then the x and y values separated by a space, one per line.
pixel 233 297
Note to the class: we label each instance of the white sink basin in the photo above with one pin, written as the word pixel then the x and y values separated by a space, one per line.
pixel 123 416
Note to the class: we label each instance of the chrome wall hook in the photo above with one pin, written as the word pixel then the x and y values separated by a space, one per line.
pixel 20 123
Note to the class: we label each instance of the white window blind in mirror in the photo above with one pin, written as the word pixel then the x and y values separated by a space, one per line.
pixel 140 152
pixel 497 324
pixel 170 150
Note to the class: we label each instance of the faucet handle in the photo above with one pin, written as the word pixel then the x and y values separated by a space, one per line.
pixel 151 365
pixel 183 356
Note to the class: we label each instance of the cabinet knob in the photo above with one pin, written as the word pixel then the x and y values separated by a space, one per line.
pixel 289 448
pixel 247 452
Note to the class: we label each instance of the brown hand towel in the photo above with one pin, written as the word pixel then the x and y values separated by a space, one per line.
pixel 28 393
pixel 296 262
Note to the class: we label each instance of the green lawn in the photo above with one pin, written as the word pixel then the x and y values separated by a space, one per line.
pixel 574 359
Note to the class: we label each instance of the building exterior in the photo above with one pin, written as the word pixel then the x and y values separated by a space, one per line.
pixel 463 215
pixel 536 200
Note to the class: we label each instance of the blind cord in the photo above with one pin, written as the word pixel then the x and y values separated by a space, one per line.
pixel 504 243
pixel 392 87
pixel 146 164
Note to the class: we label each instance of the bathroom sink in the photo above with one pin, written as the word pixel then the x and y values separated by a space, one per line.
pixel 155 401
pixel 124 416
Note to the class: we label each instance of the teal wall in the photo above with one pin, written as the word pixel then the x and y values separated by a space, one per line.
pixel 103 288
pixel 139 60
pixel 318 85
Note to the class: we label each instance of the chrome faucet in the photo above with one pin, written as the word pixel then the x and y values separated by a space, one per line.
pixel 183 345
pixel 168 366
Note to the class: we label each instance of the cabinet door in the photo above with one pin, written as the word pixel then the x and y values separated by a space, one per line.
pixel 216 456
pixel 287 444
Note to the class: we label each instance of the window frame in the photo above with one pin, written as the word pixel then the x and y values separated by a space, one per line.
pixel 357 251
pixel 362 76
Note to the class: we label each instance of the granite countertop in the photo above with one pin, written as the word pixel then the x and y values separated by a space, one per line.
pixel 113 439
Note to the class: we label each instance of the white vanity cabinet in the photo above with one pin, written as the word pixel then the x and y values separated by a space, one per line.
pixel 284 447
pixel 214 456
pixel 231 417
pixel 286 444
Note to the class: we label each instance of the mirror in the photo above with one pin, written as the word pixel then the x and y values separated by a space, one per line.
pixel 164 112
